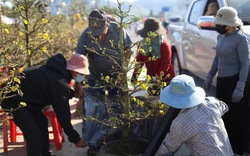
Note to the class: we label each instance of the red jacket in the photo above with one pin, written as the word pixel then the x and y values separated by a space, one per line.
pixel 160 64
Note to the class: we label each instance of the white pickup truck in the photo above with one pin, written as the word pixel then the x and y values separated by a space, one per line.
pixel 193 43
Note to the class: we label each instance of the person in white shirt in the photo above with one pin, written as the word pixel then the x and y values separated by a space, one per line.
pixel 198 125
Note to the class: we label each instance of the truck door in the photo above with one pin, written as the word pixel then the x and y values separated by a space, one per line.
pixel 191 36
pixel 204 50
pixel 199 44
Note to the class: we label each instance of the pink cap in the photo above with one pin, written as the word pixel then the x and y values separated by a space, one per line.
pixel 78 63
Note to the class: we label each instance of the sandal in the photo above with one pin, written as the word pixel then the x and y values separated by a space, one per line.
pixel 92 151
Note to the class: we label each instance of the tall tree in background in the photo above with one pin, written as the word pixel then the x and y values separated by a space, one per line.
pixel 35 35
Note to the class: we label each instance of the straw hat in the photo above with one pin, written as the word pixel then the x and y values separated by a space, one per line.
pixel 153 25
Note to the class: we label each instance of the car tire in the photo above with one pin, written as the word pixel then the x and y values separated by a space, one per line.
pixel 176 63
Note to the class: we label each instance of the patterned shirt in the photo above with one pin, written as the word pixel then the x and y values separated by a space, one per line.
pixel 201 128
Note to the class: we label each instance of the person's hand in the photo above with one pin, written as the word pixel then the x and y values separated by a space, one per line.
pixel 238 92
pixel 79 91
pixel 80 144
pixel 208 82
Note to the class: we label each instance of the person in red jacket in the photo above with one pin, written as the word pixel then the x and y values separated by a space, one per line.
pixel 156 54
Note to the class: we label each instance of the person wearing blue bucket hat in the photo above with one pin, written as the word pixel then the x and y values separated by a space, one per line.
pixel 198 125
pixel 182 93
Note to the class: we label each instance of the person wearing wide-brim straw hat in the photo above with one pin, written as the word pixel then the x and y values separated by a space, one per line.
pixel 231 64
pixel 158 49
pixel 199 124
pixel 153 25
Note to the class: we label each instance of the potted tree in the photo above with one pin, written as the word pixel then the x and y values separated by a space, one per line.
pixel 134 111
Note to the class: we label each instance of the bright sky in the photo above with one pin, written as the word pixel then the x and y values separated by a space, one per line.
pixel 129 1
pixel 5 3
pixel 143 7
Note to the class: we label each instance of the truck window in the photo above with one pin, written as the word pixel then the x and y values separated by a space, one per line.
pixel 212 8
pixel 196 12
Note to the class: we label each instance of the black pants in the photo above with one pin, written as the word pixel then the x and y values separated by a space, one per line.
pixel 34 126
pixel 236 119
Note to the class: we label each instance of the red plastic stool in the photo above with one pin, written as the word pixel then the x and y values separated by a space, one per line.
pixel 57 130
pixel 9 124
pixel 11 137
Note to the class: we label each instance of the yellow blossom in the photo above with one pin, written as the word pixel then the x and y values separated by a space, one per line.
pixel 23 104
pixel 154 58
pixel 164 84
pixel 29 52
pixel 144 86
pixel 142 51
pixel 17 80
pixel 148 40
pixel 69 40
pixel 21 69
pixel 107 78
pixel 153 91
pixel 44 21
pixel 161 106
pixel 39 35
pixel 144 70
pixel 6 30
pixel 133 98
pixel 25 21
pixel 148 77
pixel 79 16
pixel 141 103
pixel 161 112
pixel 20 46
pixel 150 49
pixel 14 88
pixel 44 49
pixel 137 83
pixel 46 36
pixel 20 33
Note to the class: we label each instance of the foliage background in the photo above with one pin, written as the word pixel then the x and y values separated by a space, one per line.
pixel 36 35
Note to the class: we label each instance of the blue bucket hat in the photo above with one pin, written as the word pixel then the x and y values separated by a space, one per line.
pixel 182 93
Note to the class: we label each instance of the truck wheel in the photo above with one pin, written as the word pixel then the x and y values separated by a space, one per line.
pixel 176 64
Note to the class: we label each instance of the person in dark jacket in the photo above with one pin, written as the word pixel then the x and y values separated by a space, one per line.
pixel 41 86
